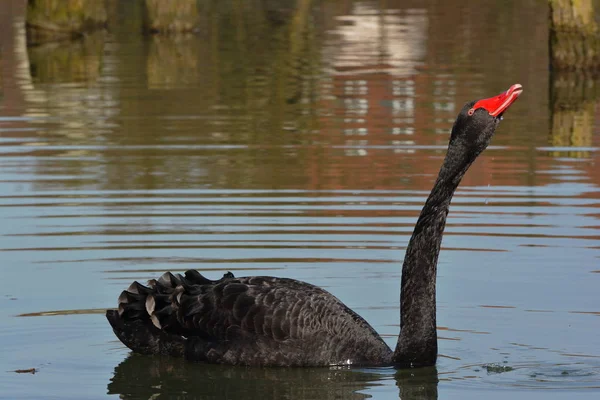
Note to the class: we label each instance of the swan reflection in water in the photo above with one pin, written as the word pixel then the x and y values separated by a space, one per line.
pixel 155 377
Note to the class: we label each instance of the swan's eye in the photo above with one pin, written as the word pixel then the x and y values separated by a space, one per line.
pixel 471 112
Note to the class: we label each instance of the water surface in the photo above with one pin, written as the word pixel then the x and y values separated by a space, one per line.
pixel 300 143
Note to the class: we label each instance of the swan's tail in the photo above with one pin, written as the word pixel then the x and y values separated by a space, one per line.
pixel 146 318
pixel 144 338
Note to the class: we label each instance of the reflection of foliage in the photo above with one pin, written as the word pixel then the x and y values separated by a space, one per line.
pixel 266 54
pixel 574 45
pixel 259 55
pixel 172 61
pixel 248 78
pixel 59 19
pixel 574 39
pixel 77 61
pixel 573 113
pixel 171 16
pixel 573 128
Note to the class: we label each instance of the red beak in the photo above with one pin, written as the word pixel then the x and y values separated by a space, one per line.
pixel 498 104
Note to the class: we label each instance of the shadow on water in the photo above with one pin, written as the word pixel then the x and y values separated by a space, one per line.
pixel 166 378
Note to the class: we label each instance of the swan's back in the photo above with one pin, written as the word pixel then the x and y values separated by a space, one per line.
pixel 258 320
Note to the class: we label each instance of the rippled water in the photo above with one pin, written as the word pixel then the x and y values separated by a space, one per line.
pixel 301 146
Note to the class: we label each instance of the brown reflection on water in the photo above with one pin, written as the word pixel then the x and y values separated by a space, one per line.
pixel 316 97
pixel 574 103
pixel 68 62
pixel 322 114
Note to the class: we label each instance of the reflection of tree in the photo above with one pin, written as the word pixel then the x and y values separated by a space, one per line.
pixel 77 61
pixel 264 58
pixel 49 20
pixel 249 79
pixel 259 75
pixel 573 112
pixel 173 61
pixel 574 35
pixel 11 98
pixel 171 16
pixel 62 84
pixel 167 378
pixel 574 41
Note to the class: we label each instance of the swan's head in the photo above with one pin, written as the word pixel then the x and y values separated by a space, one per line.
pixel 478 119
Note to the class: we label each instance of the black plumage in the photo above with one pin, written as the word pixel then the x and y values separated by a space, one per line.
pixel 251 321
pixel 268 321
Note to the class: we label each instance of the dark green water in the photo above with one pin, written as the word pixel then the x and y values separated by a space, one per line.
pixel 297 142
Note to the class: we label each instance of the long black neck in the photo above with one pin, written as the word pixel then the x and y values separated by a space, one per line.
pixel 417 343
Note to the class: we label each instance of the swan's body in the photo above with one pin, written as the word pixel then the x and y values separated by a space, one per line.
pixel 267 321
pixel 257 320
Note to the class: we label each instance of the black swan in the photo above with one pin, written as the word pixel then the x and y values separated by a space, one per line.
pixel 267 321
